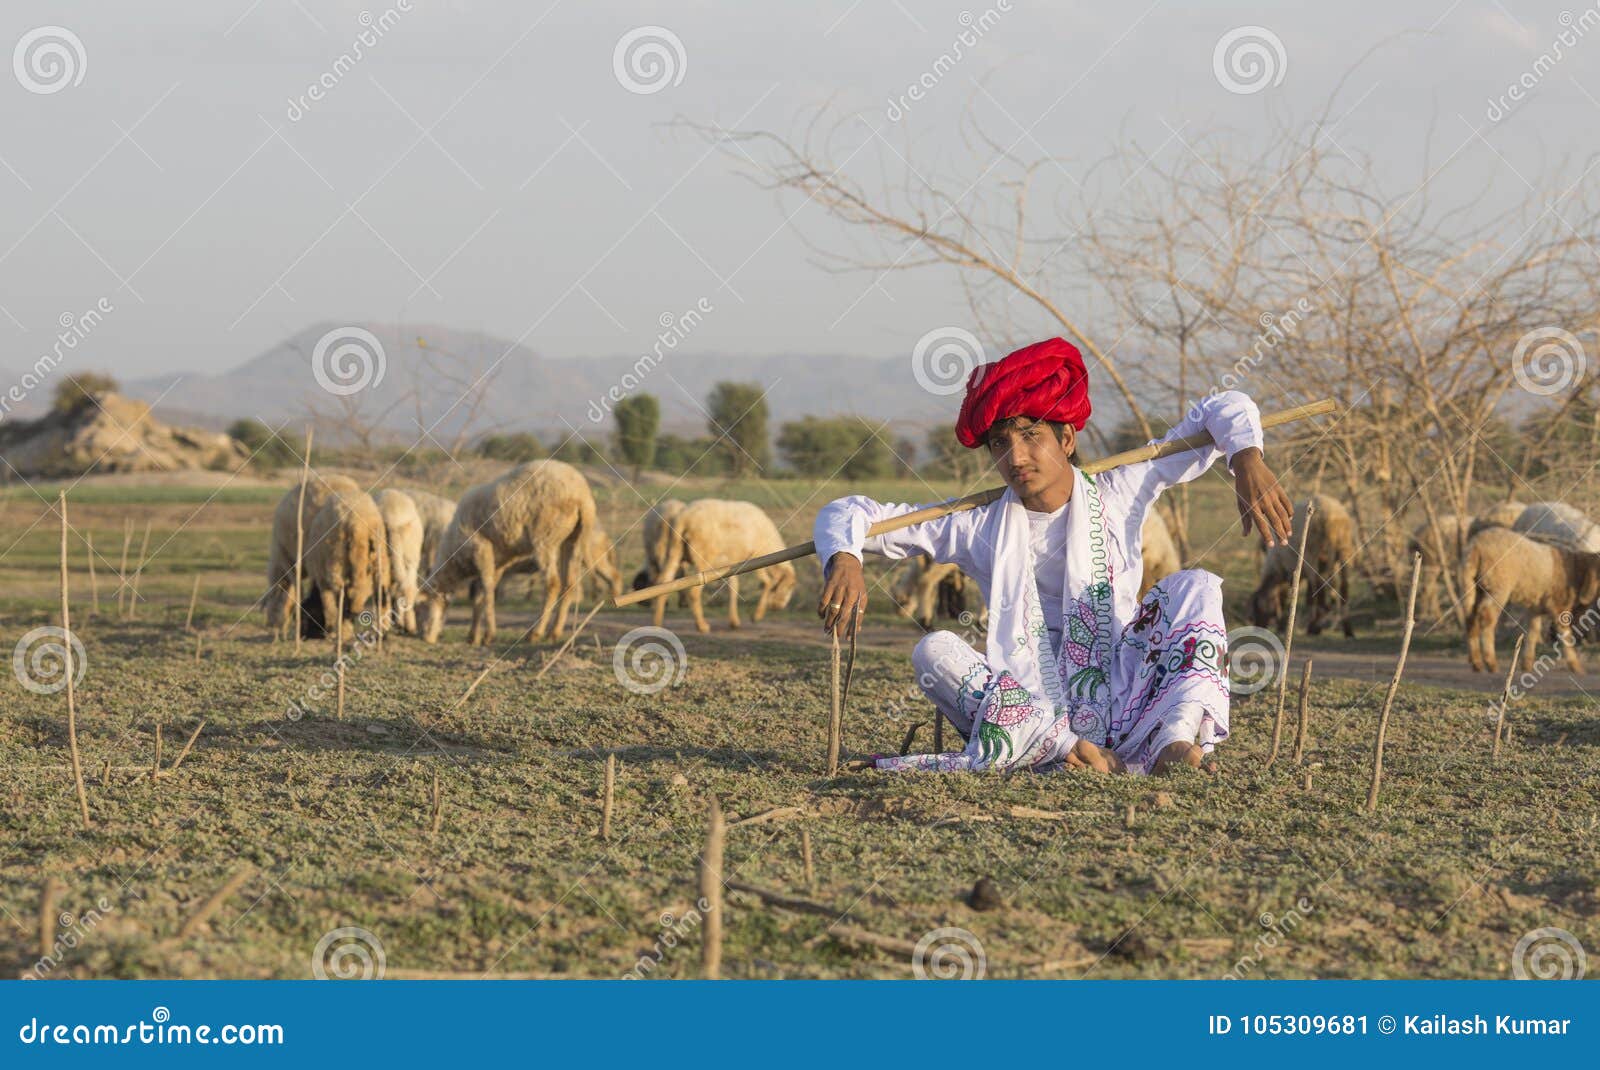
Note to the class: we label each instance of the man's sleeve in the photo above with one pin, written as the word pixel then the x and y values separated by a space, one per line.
pixel 1232 420
pixel 842 526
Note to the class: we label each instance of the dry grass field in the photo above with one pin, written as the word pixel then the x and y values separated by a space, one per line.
pixel 325 823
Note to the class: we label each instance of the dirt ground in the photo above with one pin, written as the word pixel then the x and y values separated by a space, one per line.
pixel 314 826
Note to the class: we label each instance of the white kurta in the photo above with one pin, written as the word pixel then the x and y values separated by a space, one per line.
pixel 1113 506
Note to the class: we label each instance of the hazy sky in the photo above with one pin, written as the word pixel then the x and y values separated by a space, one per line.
pixel 483 165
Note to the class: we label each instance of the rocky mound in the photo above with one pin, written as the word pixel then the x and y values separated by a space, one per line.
pixel 116 435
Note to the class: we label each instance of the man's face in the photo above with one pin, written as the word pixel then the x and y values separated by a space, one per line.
pixel 1029 456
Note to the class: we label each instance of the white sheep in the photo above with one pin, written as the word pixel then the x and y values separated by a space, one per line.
pixel 1158 553
pixel 436 514
pixel 713 532
pixel 1506 568
pixel 347 554
pixel 1560 524
pixel 403 526
pixel 281 594
pixel 543 510
pixel 1330 555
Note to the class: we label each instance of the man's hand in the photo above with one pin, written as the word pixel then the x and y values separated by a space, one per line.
pixel 844 595
pixel 1261 501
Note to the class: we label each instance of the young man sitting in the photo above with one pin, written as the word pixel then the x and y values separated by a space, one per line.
pixel 1078 671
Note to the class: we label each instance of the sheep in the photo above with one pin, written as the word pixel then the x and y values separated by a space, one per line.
pixel 348 554
pixel 403 527
pixel 1504 568
pixel 658 536
pixel 281 595
pixel 1453 534
pixel 599 569
pixel 714 531
pixel 1559 524
pixel 542 510
pixel 436 514
pixel 924 588
pixel 1330 554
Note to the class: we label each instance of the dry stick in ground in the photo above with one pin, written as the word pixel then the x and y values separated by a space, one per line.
pixel 198 919
pixel 194 596
pixel 184 753
pixel 462 701
pixel 68 668
pixel 1304 711
pixel 1394 685
pixel 197 639
pixel 805 857
pixel 105 774
pixel 338 657
pixel 47 915
pixel 570 640
pixel 711 895
pixel 94 580
pixel 438 806
pixel 300 537
pixel 1288 639
pixel 834 711
pixel 122 569
pixel 605 807
pixel 138 572
pixel 911 734
pixel 777 813
pixel 155 766
pixel 1305 785
pixel 1505 698
pixel 938 731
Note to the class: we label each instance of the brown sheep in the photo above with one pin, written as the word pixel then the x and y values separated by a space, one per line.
pixel 1453 536
pixel 925 588
pixel 1330 555
pixel 1505 568
pixel 543 510
pixel 600 570
pixel 280 555
pixel 348 554
pixel 714 532
pixel 658 536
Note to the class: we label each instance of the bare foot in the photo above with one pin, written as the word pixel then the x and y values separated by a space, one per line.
pixel 1085 755
pixel 1178 755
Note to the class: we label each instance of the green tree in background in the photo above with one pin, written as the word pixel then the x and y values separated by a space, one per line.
pixel 738 421
pixel 77 391
pixel 638 419
pixel 845 446
pixel 689 456
pixel 518 447
pixel 265 445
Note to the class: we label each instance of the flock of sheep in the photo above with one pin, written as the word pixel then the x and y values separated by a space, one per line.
pixel 412 551
pixel 1543 558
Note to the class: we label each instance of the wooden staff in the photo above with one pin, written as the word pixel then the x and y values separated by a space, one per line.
pixel 69 668
pixel 1148 452
pixel 300 538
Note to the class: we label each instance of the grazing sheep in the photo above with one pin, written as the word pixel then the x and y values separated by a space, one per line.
pixel 280 556
pixel 1503 514
pixel 1453 535
pixel 403 526
pixel 1506 568
pixel 713 532
pixel 658 536
pixel 347 552
pixel 436 514
pixel 1330 554
pixel 600 570
pixel 925 589
pixel 1559 524
pixel 542 510
pixel 1159 554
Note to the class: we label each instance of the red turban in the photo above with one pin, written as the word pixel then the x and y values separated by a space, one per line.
pixel 1044 381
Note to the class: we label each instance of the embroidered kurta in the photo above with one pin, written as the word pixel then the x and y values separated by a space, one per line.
pixel 1088 669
